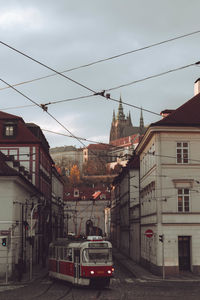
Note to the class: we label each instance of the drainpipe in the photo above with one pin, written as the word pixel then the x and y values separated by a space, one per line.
pixel 140 231
pixel 22 232
pixel 129 214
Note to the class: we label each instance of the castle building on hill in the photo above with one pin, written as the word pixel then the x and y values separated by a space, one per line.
pixel 122 126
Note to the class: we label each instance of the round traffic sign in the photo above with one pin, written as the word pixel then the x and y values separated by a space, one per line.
pixel 149 233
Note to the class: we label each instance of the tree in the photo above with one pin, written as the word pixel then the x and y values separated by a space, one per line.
pixel 94 167
pixel 74 177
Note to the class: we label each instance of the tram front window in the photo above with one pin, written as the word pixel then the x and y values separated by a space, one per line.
pixel 97 255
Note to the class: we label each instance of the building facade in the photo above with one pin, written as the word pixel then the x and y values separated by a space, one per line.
pixel 85 210
pixel 17 193
pixel 168 194
pixel 125 210
pixel 169 187
pixel 27 145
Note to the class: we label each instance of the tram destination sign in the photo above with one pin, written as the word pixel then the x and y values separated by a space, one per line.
pixel 98 245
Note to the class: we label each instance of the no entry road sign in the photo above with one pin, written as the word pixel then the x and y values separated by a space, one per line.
pixel 149 233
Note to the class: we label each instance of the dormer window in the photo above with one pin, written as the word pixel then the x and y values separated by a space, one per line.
pixel 76 193
pixel 9 130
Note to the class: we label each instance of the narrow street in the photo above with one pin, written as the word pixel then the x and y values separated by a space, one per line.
pixel 124 286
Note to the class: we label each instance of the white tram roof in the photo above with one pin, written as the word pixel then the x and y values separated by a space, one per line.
pixel 65 242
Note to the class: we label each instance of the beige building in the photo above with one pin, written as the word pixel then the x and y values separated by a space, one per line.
pixel 169 190
pixel 155 210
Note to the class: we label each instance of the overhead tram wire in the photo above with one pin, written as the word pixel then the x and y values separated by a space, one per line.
pixel 107 59
pixel 40 106
pixel 153 76
pixel 44 65
pixel 81 138
pixel 22 94
pixel 49 103
pixel 103 92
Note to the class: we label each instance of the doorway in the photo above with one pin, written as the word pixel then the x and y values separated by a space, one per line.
pixel 184 253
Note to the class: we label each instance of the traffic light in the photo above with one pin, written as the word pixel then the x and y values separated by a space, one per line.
pixel 26 225
pixel 161 238
pixel 3 242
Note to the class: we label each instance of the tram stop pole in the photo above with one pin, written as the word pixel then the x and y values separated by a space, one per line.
pixel 162 240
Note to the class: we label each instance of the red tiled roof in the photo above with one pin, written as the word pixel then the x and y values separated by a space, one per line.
pixel 186 115
pixel 125 141
pixel 96 194
pixel 85 193
pixel 24 135
pixel 6 116
pixel 99 146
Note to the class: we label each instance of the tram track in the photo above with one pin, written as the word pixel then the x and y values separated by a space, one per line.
pixel 43 292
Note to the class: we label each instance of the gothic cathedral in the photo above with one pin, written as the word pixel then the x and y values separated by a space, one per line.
pixel 122 126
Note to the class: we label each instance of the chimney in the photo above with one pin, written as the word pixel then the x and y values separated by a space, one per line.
pixel 166 112
pixel 197 87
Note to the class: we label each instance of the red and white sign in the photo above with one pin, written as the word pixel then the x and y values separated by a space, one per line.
pixel 149 233
pixel 4 232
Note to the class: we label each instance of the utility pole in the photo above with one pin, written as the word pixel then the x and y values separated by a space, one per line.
pixel 31 240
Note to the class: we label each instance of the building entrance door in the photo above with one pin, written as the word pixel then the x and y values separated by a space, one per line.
pixel 184 253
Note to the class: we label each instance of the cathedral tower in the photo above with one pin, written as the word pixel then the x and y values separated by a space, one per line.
pixel 122 126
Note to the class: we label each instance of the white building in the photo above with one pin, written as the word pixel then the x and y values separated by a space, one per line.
pixel 125 210
pixel 17 195
pixel 169 190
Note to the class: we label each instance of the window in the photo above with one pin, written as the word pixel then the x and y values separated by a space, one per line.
pixel 9 130
pixel 183 200
pixel 182 153
pixel 97 255
pixel 68 254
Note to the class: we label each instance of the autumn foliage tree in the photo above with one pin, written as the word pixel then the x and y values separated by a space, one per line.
pixel 74 177
pixel 94 167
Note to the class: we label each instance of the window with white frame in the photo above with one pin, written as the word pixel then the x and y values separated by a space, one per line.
pixel 183 200
pixel 182 152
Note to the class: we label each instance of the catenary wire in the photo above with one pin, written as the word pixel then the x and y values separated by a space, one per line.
pixel 108 58
pixel 22 94
pixel 81 138
pixel 101 93
pixel 44 65
pixel 153 76
pixel 174 157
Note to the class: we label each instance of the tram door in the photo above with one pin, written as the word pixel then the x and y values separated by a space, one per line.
pixel 76 265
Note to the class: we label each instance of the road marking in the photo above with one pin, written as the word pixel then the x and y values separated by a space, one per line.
pixel 141 280
pixel 10 287
pixel 118 280
pixel 129 280
pixel 46 282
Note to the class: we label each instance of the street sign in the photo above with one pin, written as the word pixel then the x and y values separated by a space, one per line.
pixel 149 233
pixel 4 232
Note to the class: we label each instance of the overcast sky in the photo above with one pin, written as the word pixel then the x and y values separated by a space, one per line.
pixel 70 33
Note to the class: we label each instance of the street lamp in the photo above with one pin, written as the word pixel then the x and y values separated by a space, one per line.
pixel 31 236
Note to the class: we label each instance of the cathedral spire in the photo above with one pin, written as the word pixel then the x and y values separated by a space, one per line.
pixel 141 122
pixel 129 118
pixel 113 116
pixel 120 114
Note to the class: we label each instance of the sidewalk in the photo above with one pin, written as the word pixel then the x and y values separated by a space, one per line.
pixel 39 272
pixel 143 274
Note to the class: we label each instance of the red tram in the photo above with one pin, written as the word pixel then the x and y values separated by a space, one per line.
pixel 86 262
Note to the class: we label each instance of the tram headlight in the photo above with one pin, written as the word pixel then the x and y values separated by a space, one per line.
pixel 92 272
pixel 109 271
